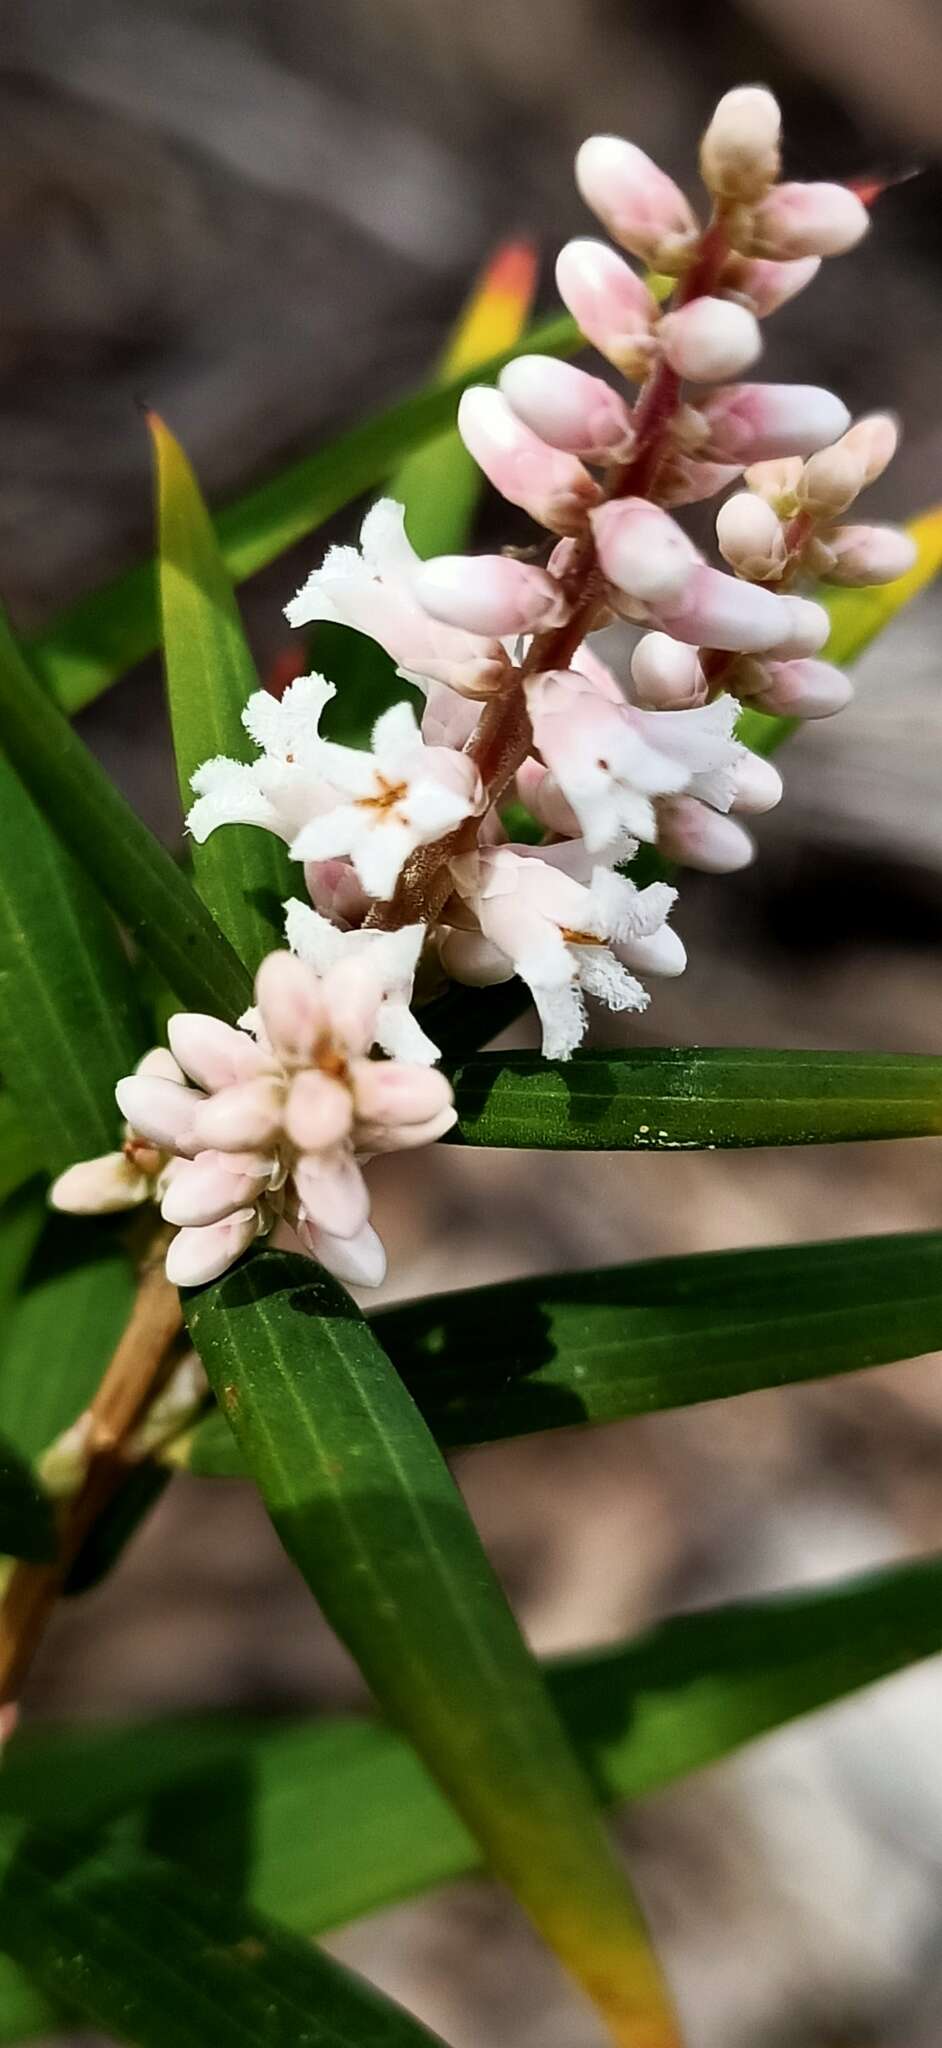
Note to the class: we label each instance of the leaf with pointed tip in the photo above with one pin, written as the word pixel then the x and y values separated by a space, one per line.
pixel 134 873
pixel 243 874
pixel 857 616
pixel 670 1099
pixel 236 1797
pixel 84 650
pixel 142 1951
pixel 69 1019
pixel 366 1507
pixel 486 1363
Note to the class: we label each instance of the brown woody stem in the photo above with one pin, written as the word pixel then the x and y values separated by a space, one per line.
pixel 129 1384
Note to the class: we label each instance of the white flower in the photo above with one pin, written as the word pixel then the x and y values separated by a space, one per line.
pixel 392 956
pixel 400 796
pixel 125 1179
pixel 371 588
pixel 555 932
pixel 283 789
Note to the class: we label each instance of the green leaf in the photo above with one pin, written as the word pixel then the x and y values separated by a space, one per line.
pixel 21 1220
pixel 236 1796
pixel 243 874
pixel 93 643
pixel 135 874
pixel 857 616
pixel 74 1302
pixel 69 1019
pixel 485 1363
pixel 141 1951
pixel 20 1153
pixel 440 484
pixel 27 1525
pixel 670 1099
pixel 365 1506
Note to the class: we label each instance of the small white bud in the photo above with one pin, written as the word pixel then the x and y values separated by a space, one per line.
pixel 739 154
pixel 831 480
pixel 666 674
pixel 710 340
pixel 751 537
pixel 807 220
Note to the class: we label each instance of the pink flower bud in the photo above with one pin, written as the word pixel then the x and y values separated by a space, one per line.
pixel 162 1111
pixel 739 154
pixel 710 339
pixel 751 537
pixel 796 689
pixel 640 206
pixel 689 832
pixel 614 309
pixel 806 629
pixel 661 952
pixel 211 1052
pixel 554 488
pixel 332 1192
pixel 666 675
pixel 874 442
pixel 246 1118
pixel 333 885
pixel 214 1185
pixel 764 286
pixel 568 408
pixel 288 994
pixel 807 220
pixel 719 611
pixel 490 594
pixel 865 554
pixel 393 1092
pixel 318 1112
pixel 642 551
pixel 758 785
pixel 777 481
pixel 831 480
pixel 197 1256
pixel 752 422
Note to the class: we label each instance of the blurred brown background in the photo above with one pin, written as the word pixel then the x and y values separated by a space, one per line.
pixel 262 217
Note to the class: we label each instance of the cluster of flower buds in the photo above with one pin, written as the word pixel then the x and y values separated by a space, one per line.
pixel 405 846
pixel 235 1130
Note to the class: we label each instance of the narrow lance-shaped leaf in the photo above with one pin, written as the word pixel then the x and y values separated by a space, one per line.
pixel 135 874
pixel 669 1099
pixel 96 640
pixel 642 1714
pixel 857 616
pixel 69 1019
pixel 365 1505
pixel 485 1363
pixel 152 1957
pixel 21 1156
pixel 243 874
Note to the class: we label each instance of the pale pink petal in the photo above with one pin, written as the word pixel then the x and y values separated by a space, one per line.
pixel 566 407
pixel 710 339
pixel 614 309
pixel 374 1139
pixel 294 1014
pixel 490 594
pixel 161 1064
pixel 865 554
pixel 358 1261
pixel 808 220
pixel 162 1111
pixel 554 488
pixel 758 422
pixel 246 1118
pixel 332 1192
pixel 699 838
pixel 318 1112
pixel 101 1187
pixel 642 551
pixel 719 611
pixel 353 991
pixel 765 286
pixel 212 1053
pixel 797 689
pixel 197 1256
pixel 640 206
pixel 758 785
pixel 751 537
pixel 389 1092
pixel 661 952
pixel 666 674
pixel 211 1186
